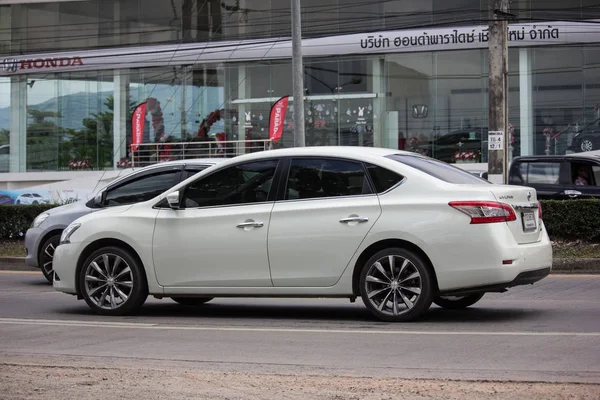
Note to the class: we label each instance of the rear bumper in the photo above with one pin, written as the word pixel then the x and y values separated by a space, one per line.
pixel 524 278
pixel 483 264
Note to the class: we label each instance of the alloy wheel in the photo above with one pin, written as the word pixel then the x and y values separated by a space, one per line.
pixel 47 259
pixel 587 145
pixel 108 281
pixel 393 285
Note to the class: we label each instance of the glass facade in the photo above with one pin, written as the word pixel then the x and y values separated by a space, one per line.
pixel 432 102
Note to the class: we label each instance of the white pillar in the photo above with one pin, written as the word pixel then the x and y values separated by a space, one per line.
pixel 526 102
pixel 121 85
pixel 18 123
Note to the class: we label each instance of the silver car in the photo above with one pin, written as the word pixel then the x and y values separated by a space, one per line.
pixel 144 184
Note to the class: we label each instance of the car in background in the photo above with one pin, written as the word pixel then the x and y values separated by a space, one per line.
pixel 42 238
pixel 4 158
pixel 587 138
pixel 31 199
pixel 6 200
pixel 556 177
pixel 396 228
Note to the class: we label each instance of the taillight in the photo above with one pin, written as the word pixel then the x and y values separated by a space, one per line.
pixel 485 212
pixel 539 210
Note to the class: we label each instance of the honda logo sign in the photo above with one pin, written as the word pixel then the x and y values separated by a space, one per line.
pixel 419 111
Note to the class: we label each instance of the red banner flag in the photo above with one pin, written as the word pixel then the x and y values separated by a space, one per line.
pixel 276 118
pixel 137 125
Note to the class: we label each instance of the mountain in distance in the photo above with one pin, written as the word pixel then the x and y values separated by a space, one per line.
pixel 77 106
pixel 73 108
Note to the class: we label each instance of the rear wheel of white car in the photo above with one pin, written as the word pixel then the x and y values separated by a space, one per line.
pixel 396 285
pixel 112 282
pixel 192 301
pixel 46 257
pixel 457 302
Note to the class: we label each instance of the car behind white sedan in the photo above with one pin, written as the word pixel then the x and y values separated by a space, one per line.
pixel 398 229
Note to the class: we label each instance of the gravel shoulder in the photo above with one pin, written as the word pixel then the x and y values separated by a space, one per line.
pixel 108 379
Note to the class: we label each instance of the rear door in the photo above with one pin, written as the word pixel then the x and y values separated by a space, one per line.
pixel 325 210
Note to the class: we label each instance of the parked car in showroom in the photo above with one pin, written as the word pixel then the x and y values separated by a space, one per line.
pixel 462 141
pixel 396 228
pixel 146 183
pixel 559 177
pixel 587 138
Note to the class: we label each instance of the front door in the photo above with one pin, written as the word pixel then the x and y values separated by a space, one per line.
pixel 327 210
pixel 219 236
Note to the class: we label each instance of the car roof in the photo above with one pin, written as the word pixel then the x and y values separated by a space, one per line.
pixel 322 151
pixel 593 155
pixel 190 161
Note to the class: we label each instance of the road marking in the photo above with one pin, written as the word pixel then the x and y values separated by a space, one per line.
pixel 139 325
pixel 14 272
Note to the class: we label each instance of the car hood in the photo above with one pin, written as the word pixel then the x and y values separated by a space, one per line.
pixel 105 212
pixel 69 208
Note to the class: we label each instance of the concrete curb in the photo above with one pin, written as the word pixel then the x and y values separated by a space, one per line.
pixel 559 266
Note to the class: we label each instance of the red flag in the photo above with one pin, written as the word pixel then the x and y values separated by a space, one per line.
pixel 137 125
pixel 276 118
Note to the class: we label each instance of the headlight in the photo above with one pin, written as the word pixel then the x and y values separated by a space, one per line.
pixel 39 219
pixel 69 230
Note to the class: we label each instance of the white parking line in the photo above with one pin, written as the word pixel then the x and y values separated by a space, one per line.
pixel 135 325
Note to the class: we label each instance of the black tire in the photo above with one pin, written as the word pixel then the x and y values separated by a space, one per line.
pixel 192 301
pixel 137 293
pixel 457 302
pixel 46 256
pixel 416 265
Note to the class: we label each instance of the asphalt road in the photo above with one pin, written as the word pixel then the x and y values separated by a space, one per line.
pixel 547 332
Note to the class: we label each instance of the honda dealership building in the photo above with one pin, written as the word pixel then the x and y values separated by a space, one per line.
pixel 400 73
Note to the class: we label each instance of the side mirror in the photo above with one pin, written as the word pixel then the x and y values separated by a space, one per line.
pixel 484 175
pixel 98 199
pixel 173 200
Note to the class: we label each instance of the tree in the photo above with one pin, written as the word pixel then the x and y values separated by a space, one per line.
pixel 44 140
pixel 95 140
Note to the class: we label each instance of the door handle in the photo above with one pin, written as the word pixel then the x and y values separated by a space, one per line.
pixel 354 219
pixel 247 224
pixel 572 193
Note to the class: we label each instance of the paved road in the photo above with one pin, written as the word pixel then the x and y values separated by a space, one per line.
pixel 546 332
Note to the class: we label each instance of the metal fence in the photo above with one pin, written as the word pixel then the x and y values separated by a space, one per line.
pixel 152 153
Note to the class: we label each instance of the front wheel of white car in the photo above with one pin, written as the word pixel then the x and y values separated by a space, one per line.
pixel 112 282
pixel 396 285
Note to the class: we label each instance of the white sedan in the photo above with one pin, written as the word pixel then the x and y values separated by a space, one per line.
pixel 398 229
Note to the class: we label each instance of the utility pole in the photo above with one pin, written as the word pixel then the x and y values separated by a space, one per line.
pixel 498 137
pixel 297 74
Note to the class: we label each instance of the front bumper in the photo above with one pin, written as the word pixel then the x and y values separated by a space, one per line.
pixel 33 236
pixel 65 267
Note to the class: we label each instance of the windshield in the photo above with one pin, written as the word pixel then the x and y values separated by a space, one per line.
pixel 438 169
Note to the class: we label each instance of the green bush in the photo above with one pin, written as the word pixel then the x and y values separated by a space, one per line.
pixel 15 220
pixel 572 219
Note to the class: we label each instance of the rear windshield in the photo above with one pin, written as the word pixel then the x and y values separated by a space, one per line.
pixel 438 169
